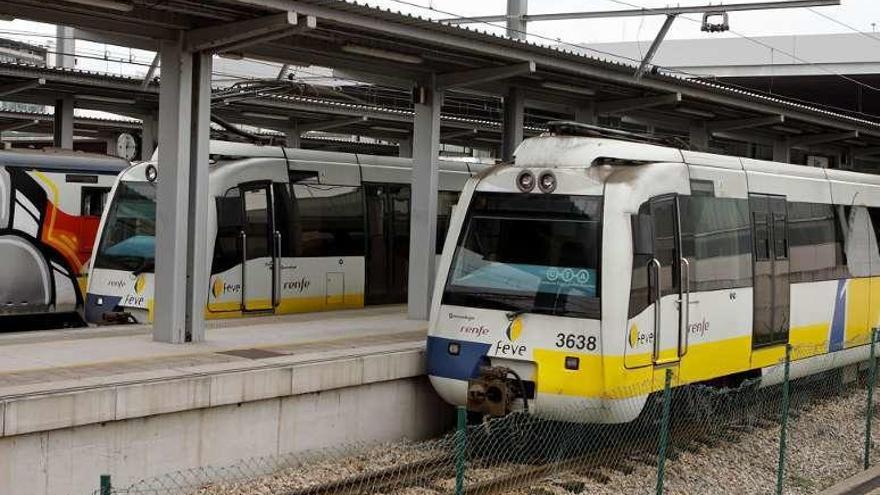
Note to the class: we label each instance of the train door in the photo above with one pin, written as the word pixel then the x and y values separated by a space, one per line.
pixel 665 271
pixel 387 242
pixel 260 249
pixel 771 270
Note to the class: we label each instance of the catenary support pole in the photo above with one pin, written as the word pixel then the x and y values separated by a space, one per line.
pixel 425 184
pixel 664 431
pixel 869 409
pixel 783 431
pixel 514 121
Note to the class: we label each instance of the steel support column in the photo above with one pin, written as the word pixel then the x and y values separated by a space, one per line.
pixel 516 22
pixel 198 259
pixel 423 212
pixel 782 150
pixel 405 147
pixel 181 203
pixel 699 136
pixel 63 129
pixel 585 114
pixel 514 120
pixel 292 135
pixel 65 46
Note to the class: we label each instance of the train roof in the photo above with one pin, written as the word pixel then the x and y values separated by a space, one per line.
pixel 228 150
pixel 63 161
pixel 561 151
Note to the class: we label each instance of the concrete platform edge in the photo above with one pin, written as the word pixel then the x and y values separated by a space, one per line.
pixel 188 390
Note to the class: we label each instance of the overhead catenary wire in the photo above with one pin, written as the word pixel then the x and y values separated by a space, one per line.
pixel 671 70
pixel 768 46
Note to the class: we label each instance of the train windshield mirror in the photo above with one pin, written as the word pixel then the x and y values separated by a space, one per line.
pixel 129 238
pixel 534 253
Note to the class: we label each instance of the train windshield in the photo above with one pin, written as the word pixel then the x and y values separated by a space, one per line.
pixel 535 253
pixel 129 240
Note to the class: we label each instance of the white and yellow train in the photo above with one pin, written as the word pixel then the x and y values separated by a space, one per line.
pixel 574 278
pixel 292 230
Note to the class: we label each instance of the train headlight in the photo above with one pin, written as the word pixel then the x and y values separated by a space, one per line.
pixel 525 181
pixel 572 363
pixel 151 173
pixel 454 348
pixel 547 182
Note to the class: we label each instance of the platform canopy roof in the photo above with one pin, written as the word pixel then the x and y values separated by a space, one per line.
pixel 396 52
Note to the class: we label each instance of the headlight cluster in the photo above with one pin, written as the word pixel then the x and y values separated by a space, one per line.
pixel 526 181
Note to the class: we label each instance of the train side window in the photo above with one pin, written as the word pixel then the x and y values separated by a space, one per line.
pixel 716 239
pixel 330 220
pixel 780 237
pixel 227 248
pixel 815 243
pixel 93 200
pixel 762 236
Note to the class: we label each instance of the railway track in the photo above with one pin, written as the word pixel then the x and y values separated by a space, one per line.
pixel 376 481
pixel 614 448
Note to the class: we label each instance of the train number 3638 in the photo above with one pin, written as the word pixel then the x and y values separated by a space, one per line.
pixel 572 341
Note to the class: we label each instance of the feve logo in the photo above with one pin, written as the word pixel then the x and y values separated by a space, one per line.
pixel 514 329
pixel 140 284
pixel 217 287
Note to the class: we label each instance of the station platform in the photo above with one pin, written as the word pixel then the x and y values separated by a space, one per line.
pixel 77 403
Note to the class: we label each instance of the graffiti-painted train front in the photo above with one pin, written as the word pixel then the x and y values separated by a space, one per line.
pixel 571 281
pixel 50 206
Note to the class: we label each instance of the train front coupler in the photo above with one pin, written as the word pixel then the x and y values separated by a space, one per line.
pixel 493 391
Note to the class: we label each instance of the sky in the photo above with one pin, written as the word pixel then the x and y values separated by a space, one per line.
pixel 863 15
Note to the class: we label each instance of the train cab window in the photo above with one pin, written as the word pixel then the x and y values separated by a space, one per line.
pixel 93 200
pixel 329 220
pixel 535 253
pixel 129 240
pixel 227 248
pixel 445 201
pixel 815 242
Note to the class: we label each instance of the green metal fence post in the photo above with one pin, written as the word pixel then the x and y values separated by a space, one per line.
pixel 869 410
pixel 780 469
pixel 664 431
pixel 106 487
pixel 460 447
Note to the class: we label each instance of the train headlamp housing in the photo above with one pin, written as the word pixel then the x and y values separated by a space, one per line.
pixel 547 182
pixel 454 348
pixel 525 181
pixel 572 362
pixel 151 173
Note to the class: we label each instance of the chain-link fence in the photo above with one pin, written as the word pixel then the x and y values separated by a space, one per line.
pixel 809 430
